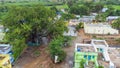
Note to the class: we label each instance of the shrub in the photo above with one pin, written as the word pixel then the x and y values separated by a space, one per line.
pixel 94 36
pixel 118 40
pixel 79 26
pixel 108 34
pixel 55 49
pixel 82 63
pixel 100 67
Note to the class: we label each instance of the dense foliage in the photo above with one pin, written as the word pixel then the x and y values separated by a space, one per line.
pixel 79 10
pixel 100 67
pixel 113 2
pixel 79 26
pixel 116 24
pixel 94 7
pixel 26 24
pixel 86 8
pixel 67 16
pixel 110 12
pixel 56 47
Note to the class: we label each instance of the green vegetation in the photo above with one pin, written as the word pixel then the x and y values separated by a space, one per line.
pixel 113 2
pixel 30 21
pixel 79 10
pixel 101 17
pixel 64 6
pixel 56 49
pixel 82 62
pixel 66 16
pixel 79 26
pixel 117 7
pixel 30 24
pixel 56 45
pixel 86 8
pixel 116 24
pixel 118 40
pixel 100 67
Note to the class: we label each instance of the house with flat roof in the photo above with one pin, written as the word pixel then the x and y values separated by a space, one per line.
pixel 102 48
pixel 87 19
pixel 99 28
pixel 84 19
pixel 94 55
pixel 7 49
pixel 86 53
pixel 110 19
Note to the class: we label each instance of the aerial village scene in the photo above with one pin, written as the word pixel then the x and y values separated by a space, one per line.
pixel 59 33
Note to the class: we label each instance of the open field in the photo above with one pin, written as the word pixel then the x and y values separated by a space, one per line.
pixel 47 4
pixel 28 3
pixel 117 7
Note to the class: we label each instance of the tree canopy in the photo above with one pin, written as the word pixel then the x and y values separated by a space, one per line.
pixel 26 24
pixel 116 24
pixel 79 10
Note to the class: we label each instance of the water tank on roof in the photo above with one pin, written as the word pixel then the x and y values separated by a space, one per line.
pixel 78 49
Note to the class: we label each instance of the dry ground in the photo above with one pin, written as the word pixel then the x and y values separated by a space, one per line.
pixel 114 54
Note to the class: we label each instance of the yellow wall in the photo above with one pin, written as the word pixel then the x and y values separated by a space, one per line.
pixel 5 60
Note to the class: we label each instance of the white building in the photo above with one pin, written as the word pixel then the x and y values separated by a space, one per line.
pixel 104 9
pixel 102 46
pixel 99 29
pixel 110 18
pixel 87 19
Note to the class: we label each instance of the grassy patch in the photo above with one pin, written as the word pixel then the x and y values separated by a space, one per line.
pixel 62 6
pixel 47 4
pixel 117 7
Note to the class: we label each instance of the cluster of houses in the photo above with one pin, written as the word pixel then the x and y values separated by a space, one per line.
pixel 6 53
pixel 95 53
pixel 90 27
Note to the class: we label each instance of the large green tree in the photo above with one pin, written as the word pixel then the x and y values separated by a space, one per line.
pixel 25 24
